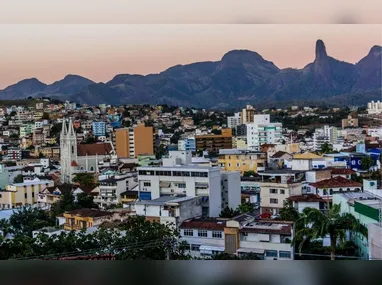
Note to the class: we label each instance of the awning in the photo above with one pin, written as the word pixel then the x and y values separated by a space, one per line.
pixel 251 250
pixel 164 184
pixel 208 249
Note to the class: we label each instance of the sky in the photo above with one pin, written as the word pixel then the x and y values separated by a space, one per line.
pixel 101 38
pixel 99 52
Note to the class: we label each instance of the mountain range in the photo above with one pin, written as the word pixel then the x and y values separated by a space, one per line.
pixel 240 77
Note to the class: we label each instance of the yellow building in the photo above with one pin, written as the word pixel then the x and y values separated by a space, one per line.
pixel 129 196
pixel 242 160
pixel 22 194
pixel 86 218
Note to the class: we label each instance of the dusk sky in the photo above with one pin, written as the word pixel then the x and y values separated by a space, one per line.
pixel 98 52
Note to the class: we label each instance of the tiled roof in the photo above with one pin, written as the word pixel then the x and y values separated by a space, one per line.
pixel 280 154
pixel 306 155
pixel 336 182
pixel 307 198
pixel 89 213
pixel 94 149
pixel 341 171
pixel 212 224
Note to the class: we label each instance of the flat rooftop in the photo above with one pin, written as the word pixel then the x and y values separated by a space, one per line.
pixel 178 167
pixel 165 199
pixel 280 172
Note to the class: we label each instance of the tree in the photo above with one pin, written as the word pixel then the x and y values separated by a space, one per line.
pixel 326 148
pixel 85 179
pixel 162 149
pixel 288 212
pixel 85 200
pixel 249 173
pixel 314 224
pixel 245 208
pixel 367 162
pixel 45 116
pixel 5 227
pixel 28 219
pixel 18 179
pixel 228 213
pixel 41 155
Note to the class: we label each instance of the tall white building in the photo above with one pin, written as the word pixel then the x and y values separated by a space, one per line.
pixel 326 134
pixel 374 107
pixel 233 121
pixel 258 135
pixel 178 177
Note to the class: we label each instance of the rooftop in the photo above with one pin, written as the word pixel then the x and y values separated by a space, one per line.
pixel 94 149
pixel 238 151
pixel 268 227
pixel 307 198
pixel 178 167
pixel 89 213
pixel 279 172
pixel 164 200
pixel 32 182
pixel 341 171
pixel 206 224
pixel 336 182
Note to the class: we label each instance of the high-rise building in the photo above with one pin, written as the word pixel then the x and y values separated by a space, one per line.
pixel 247 114
pixel 233 121
pixel 99 129
pixel 213 143
pixel 374 107
pixel 131 142
pixel 258 135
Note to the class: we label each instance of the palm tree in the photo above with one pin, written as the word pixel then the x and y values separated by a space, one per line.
pixel 314 224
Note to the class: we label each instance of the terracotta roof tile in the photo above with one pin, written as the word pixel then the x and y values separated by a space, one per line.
pixel 94 149
pixel 307 198
pixel 341 171
pixel 217 225
pixel 336 182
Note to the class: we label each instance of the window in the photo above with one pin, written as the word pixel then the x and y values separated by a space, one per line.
pixel 182 185
pixel 202 233
pixel 217 234
pixel 237 164
pixel 331 191
pixel 273 191
pixel 26 195
pixel 199 174
pixel 271 253
pixel 284 254
pixel 273 201
pixel 188 232
pixel 195 247
pixel 325 192
pixel 32 194
pixel 1 196
pixel 147 184
pixel 229 164
pixel 282 191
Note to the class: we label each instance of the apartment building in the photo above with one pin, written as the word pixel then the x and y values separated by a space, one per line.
pixel 185 180
pixel 242 160
pixel 259 134
pixel 247 114
pixel 234 121
pixel 213 143
pixel 22 194
pixel 110 191
pixel 99 129
pixel 169 209
pixel 14 153
pixel 276 186
pixel 268 239
pixel 350 122
pixel 187 144
pixel 26 129
pixel 86 218
pixel 132 142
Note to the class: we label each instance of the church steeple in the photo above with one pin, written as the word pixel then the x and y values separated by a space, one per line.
pixel 71 132
pixel 64 130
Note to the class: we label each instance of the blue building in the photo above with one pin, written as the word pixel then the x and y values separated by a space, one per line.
pixel 187 144
pixel 99 128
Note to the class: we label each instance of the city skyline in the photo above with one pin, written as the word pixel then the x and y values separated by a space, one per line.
pixel 99 52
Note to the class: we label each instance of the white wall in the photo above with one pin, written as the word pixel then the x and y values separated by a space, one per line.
pixel 301 164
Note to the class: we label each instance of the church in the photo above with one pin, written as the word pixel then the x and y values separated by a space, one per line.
pixel 76 158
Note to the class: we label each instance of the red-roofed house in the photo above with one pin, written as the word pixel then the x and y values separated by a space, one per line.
pixel 300 202
pixel 343 172
pixel 338 184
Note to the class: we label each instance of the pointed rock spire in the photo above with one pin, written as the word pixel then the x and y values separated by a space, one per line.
pixel 320 51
